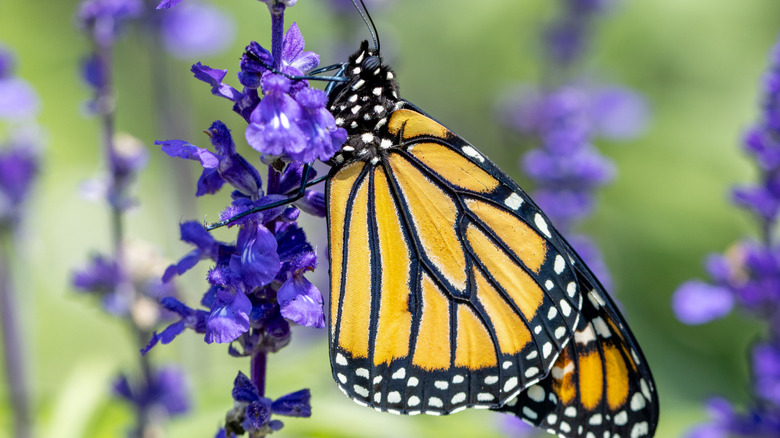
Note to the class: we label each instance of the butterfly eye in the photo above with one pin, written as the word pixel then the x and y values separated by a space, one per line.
pixel 371 63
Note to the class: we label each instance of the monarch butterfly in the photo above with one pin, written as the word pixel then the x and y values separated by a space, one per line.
pixel 450 288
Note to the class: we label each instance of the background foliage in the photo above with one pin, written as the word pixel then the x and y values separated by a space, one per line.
pixel 698 62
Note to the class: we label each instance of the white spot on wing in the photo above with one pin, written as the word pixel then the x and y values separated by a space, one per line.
pixel 585 336
pixel 471 152
pixel 362 372
pixel 412 381
pixel 640 429
pixel 394 397
pixel 536 393
pixel 637 402
pixel 459 398
pixel 621 418
pixel 601 327
pixel 489 380
pixel 441 384
pixel 485 397
pixel 513 201
pixel 530 413
pixel 400 374
pixel 413 401
pixel 361 391
pixel 541 224
pixel 341 360
pixel 511 383
pixel 560 263
pixel 546 349
pixel 435 402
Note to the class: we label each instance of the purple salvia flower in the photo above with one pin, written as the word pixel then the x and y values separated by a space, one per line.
pixel 196 29
pixel 748 275
pixel 256 286
pixel 273 127
pixel 127 280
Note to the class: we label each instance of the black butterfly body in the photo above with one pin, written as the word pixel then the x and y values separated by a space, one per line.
pixel 451 289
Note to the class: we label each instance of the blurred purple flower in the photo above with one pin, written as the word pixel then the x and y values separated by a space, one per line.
pixel 167 389
pixel 696 302
pixel 196 29
pixel 567 38
pixel 104 19
pixel 167 4
pixel 18 100
pixel 7 63
pixel 749 275
pixel 766 372
pixel 19 165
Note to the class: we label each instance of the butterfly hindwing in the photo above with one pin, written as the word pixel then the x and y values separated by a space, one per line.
pixel 449 287
pixel 600 385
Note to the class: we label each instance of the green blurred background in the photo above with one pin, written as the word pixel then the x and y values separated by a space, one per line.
pixel 698 62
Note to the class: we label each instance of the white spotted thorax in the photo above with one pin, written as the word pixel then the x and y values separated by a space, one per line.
pixel 363 104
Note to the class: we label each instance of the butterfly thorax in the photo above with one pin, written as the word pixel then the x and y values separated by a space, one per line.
pixel 363 104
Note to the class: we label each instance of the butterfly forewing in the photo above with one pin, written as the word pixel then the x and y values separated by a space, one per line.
pixel 448 289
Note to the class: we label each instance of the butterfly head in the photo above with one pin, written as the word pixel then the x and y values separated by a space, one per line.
pixel 363 104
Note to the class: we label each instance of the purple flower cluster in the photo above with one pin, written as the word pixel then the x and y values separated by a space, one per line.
pixel 19 167
pixel 567 167
pixel 566 39
pixel 748 276
pixel 127 281
pixel 257 285
pixel 290 120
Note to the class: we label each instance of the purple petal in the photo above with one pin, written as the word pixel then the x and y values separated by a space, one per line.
pixel 274 126
pixel 313 202
pixel 194 233
pixel 229 317
pixel 301 302
pixel 296 404
pixel 244 390
pixel 293 54
pixel 257 415
pixel 259 260
pixel 210 182
pixel 182 149
pixel 166 4
pixel 214 78
pixel 696 302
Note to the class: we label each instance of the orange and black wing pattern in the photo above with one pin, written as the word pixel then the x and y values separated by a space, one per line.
pixel 451 289
pixel 600 385
pixel 448 288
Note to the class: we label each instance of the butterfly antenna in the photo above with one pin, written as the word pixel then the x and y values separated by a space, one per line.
pixel 363 11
